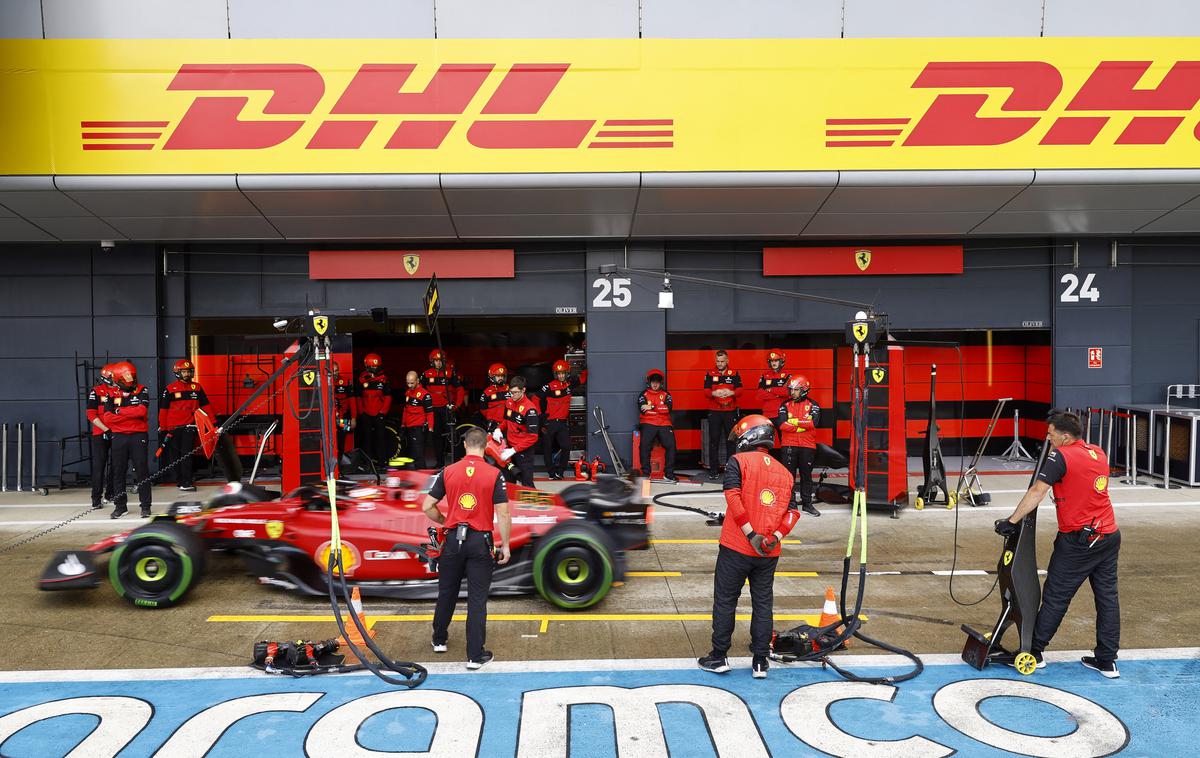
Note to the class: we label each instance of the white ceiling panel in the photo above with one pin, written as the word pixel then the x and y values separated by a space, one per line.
pixel 78 228
pixel 549 225
pixel 20 230
pixel 1180 221
pixel 540 194
pixel 718 224
pixel 158 196
pixel 345 195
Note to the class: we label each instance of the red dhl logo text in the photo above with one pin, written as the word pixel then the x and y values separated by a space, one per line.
pixel 1111 92
pixel 218 122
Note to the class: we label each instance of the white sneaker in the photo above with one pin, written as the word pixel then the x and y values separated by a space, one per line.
pixel 438 648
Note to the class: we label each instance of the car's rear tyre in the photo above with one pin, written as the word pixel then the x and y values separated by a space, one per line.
pixel 157 565
pixel 573 565
pixel 577 497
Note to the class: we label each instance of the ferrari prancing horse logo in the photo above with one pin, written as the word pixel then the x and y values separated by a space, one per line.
pixel 879 375
pixel 862 259
pixel 860 330
pixel 309 377
pixel 320 324
pixel 412 263
pixel 274 529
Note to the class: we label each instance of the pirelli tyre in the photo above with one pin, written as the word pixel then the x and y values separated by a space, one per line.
pixel 574 565
pixel 577 497
pixel 157 565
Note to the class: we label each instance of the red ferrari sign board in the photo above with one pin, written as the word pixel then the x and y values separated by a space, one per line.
pixel 862 261
pixel 1095 357
pixel 410 264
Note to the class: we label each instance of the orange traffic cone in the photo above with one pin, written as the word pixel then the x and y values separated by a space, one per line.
pixel 829 612
pixel 351 629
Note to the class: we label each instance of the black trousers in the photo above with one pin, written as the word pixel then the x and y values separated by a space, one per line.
pixel 521 468
pixel 180 448
pixel 733 569
pixel 102 479
pixel 1070 564
pixel 414 445
pixel 666 437
pixel 556 436
pixel 127 449
pixel 369 434
pixel 799 461
pixel 471 558
pixel 720 424
pixel 441 434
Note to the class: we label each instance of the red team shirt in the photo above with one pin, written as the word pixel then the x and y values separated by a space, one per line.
pixel 471 488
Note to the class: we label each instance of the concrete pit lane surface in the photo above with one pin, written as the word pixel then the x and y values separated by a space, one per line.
pixel 96 676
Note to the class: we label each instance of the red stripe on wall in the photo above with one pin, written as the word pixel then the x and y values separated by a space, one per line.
pixel 410 264
pixel 851 261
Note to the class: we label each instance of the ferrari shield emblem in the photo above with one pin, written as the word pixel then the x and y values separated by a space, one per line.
pixel 879 375
pixel 412 263
pixel 274 529
pixel 309 377
pixel 860 330
pixel 1008 556
pixel 320 324
pixel 1093 454
pixel 862 259
pixel 470 471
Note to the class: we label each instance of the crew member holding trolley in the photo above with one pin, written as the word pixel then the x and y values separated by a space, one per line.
pixel 1087 544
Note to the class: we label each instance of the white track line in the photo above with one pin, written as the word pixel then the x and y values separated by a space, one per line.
pixel 565 666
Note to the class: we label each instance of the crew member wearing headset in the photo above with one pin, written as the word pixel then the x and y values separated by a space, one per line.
pixel 98 400
pixel 797 422
pixel 177 408
pixel 556 395
pixel 125 416
pixel 654 423
pixel 772 384
pixel 493 398
pixel 373 401
pixel 444 385
pixel 522 415
pixel 418 419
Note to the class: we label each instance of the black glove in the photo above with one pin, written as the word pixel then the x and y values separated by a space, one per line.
pixel 106 436
pixel 756 542
pixel 769 543
pixel 1006 528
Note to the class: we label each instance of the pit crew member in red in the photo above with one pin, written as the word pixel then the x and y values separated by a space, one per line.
pixel 654 423
pixel 494 396
pixel 444 386
pixel 521 420
pixel 556 395
pixel 1087 544
pixel 125 416
pixel 723 388
pixel 177 421
pixel 772 384
pixel 475 497
pixel 373 401
pixel 759 513
pixel 417 420
pixel 98 400
pixel 797 422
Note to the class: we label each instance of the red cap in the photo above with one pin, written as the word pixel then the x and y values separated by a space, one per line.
pixel 372 360
pixel 562 367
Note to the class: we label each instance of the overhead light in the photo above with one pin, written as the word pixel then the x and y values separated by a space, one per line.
pixel 583 327
pixel 412 327
pixel 666 298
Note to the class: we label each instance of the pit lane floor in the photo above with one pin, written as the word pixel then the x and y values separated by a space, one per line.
pixel 661 611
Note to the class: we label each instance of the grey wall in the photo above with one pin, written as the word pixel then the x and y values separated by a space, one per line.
pixel 60 304
pixel 999 288
pixel 1165 317
pixel 566 19
pixel 624 342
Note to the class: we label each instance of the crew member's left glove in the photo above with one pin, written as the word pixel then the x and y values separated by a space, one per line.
pixel 1006 528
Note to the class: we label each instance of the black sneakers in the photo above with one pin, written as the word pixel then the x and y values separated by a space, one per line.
pixel 670 479
pixel 713 475
pixel 717 664
pixel 483 660
pixel 1107 668
pixel 187 488
pixel 810 509
pixel 119 512
pixel 145 513
pixel 758 669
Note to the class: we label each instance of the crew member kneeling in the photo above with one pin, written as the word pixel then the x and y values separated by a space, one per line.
pixel 1087 544
pixel 474 493
pixel 759 513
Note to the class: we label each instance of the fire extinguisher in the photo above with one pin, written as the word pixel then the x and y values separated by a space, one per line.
pixel 597 467
pixel 582 471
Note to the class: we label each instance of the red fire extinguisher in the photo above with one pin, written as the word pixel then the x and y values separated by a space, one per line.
pixel 597 467
pixel 582 471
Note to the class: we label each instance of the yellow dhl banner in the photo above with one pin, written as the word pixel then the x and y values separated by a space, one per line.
pixel 532 106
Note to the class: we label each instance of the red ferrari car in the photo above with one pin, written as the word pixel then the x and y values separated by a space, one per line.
pixel 568 546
